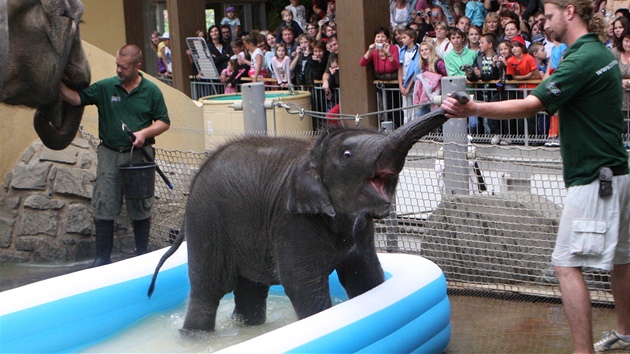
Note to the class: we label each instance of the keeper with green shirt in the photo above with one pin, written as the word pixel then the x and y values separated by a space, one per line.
pixel 139 103
pixel 586 92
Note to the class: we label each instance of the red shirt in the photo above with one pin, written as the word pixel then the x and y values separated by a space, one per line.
pixel 524 66
pixel 383 66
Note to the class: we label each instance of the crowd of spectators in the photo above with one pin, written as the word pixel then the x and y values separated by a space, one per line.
pixel 306 38
pixel 488 41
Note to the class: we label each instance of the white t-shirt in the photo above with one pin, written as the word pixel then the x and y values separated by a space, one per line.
pixel 257 52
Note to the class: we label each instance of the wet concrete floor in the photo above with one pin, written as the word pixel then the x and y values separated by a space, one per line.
pixel 483 325
pixel 479 325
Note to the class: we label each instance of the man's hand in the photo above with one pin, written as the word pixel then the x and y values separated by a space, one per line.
pixel 454 109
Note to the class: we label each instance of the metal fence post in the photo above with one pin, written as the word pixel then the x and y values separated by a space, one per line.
pixel 455 144
pixel 254 114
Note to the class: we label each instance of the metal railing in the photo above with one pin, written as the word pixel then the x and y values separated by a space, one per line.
pixel 319 101
pixel 528 131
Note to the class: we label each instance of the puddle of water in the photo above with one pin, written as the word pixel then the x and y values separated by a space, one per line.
pixel 13 275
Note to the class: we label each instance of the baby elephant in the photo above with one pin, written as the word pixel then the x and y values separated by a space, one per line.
pixel 267 210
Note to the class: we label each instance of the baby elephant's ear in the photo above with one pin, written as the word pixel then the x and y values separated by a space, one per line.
pixel 307 193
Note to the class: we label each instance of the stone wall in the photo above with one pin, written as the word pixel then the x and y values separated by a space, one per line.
pixel 45 206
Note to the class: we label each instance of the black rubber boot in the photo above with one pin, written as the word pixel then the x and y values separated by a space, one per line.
pixel 104 242
pixel 141 229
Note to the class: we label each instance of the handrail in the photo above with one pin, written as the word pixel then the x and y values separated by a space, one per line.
pixel 535 81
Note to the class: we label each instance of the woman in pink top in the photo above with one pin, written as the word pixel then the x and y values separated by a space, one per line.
pixel 384 57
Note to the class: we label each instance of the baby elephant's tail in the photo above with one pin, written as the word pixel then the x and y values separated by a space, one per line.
pixel 178 241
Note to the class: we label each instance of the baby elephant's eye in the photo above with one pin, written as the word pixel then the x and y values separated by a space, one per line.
pixel 347 153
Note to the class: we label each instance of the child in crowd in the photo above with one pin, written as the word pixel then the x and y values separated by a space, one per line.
pixel 281 65
pixel 231 75
pixel 457 60
pixel 556 53
pixel 407 69
pixel 463 23
pixel 428 80
pixel 498 128
pixel 238 47
pixel 232 20
pixel 298 64
pixel 537 50
pixel 522 66
pixel 330 79
pixel 442 44
pixel 299 13
pixel 474 35
pixel 287 21
pixel 316 63
pixel 476 12
pixel 258 68
pixel 484 69
pixel 459 55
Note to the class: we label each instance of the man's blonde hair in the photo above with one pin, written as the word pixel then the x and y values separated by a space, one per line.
pixel 584 9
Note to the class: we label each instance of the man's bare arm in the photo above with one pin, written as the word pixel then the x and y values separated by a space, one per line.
pixel 509 109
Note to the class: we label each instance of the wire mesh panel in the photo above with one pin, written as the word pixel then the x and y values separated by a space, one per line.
pixel 495 232
pixel 497 239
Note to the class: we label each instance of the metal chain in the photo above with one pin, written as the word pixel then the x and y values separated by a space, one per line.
pixel 293 108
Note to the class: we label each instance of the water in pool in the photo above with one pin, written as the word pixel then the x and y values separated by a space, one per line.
pixel 159 333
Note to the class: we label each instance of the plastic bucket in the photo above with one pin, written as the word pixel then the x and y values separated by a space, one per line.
pixel 138 179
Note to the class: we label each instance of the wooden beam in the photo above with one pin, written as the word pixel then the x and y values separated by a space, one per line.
pixel 356 21
pixel 185 17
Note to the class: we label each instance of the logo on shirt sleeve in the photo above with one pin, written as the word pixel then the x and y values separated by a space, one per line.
pixel 553 89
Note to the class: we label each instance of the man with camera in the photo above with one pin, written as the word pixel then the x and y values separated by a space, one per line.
pixel 594 227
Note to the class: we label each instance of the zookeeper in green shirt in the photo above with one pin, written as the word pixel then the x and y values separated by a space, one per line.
pixel 586 92
pixel 139 103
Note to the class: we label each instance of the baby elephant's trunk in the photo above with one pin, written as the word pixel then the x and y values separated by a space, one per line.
pixel 402 139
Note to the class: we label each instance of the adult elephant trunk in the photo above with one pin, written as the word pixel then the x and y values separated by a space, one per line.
pixel 401 140
pixel 4 40
pixel 57 123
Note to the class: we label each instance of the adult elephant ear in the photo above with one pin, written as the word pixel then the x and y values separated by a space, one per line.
pixel 307 193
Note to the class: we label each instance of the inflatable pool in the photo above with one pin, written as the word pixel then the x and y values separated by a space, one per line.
pixel 408 313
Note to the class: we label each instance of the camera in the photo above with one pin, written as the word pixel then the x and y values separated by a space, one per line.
pixel 466 69
pixel 379 45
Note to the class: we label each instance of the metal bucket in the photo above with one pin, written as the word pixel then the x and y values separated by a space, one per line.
pixel 138 179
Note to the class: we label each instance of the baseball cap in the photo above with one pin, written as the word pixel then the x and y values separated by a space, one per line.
pixel 230 8
pixel 519 39
pixel 166 36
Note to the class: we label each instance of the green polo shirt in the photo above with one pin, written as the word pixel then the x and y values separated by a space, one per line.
pixel 138 109
pixel 586 92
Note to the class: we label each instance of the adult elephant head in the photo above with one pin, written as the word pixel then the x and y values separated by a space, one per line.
pixel 39 47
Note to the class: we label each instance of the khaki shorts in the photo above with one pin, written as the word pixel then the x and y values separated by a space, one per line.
pixel 593 231
pixel 107 198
